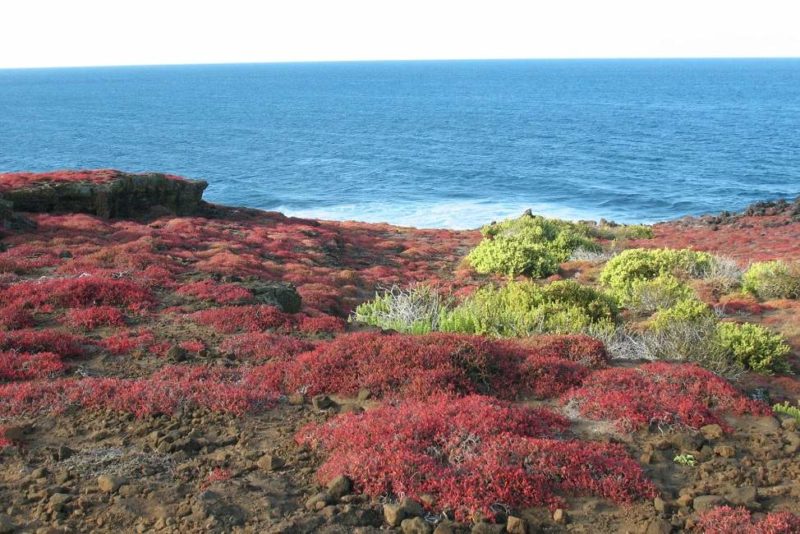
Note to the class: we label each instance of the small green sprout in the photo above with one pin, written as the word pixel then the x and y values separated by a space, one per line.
pixel 685 459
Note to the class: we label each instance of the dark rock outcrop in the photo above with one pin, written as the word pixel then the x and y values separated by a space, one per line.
pixel 13 221
pixel 281 294
pixel 122 196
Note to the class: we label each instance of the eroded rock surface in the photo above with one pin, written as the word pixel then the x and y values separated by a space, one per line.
pixel 112 194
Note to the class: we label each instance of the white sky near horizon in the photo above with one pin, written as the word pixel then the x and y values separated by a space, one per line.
pixel 55 33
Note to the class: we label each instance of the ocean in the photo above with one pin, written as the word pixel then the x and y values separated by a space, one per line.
pixel 429 144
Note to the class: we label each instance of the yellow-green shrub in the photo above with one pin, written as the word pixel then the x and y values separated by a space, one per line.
pixel 525 308
pixel 754 346
pixel 631 265
pixel 773 279
pixel 787 409
pixel 530 245
pixel 618 231
pixel 684 311
pixel 648 296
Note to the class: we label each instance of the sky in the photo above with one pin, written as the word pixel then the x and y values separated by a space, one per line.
pixel 55 33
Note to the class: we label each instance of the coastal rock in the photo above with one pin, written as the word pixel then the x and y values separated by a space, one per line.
pixel 284 295
pixel 107 194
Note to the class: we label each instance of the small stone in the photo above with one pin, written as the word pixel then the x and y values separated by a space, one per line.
pixel 59 498
pixel 415 525
pixel 393 513
pixel 64 452
pixel 321 402
pixel 16 432
pixel 176 353
pixel 686 441
pixel 270 462
pixel 789 423
pixel 411 507
pixel 339 487
pixel 660 505
pixel 702 503
pixel 296 399
pixel 685 500
pixel 108 483
pixel 443 528
pixel 39 473
pixel 427 500
pixel 317 498
pixel 792 442
pixel 62 476
pixel 745 496
pixel 516 525
pixel 487 528
pixel 711 432
pixel 560 516
pixel 726 451
pixel 658 526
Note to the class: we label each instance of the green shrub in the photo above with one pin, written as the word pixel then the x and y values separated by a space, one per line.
pixel 685 340
pixel 631 265
pixel 773 279
pixel 415 310
pixel 645 297
pixel 525 308
pixel 614 231
pixel 787 409
pixel 530 245
pixel 754 347
pixel 686 310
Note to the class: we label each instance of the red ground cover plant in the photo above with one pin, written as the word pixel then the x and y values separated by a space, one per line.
pixel 323 324
pixel 128 341
pixel 742 305
pixel 78 293
pixel 16 180
pixel 15 316
pixel 233 319
pixel 727 520
pixel 260 347
pixel 471 453
pixel 172 387
pixel 215 292
pixel 24 366
pixel 4 441
pixel 403 366
pixel 752 238
pixel 218 474
pixel 62 343
pixel 92 318
pixel 660 394
pixel 578 348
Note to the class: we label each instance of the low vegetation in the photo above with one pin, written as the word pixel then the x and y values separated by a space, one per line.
pixel 477 394
pixel 632 266
pixel 516 309
pixel 470 453
pixel 773 280
pixel 530 245
pixel 725 520
pixel 660 394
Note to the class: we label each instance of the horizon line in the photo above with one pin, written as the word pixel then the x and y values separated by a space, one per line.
pixel 403 60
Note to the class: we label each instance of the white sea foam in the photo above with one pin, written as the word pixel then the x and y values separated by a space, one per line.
pixel 461 214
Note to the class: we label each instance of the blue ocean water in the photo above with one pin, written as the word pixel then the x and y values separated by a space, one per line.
pixel 429 144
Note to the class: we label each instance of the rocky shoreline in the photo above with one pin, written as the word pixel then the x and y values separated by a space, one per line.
pixel 168 365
